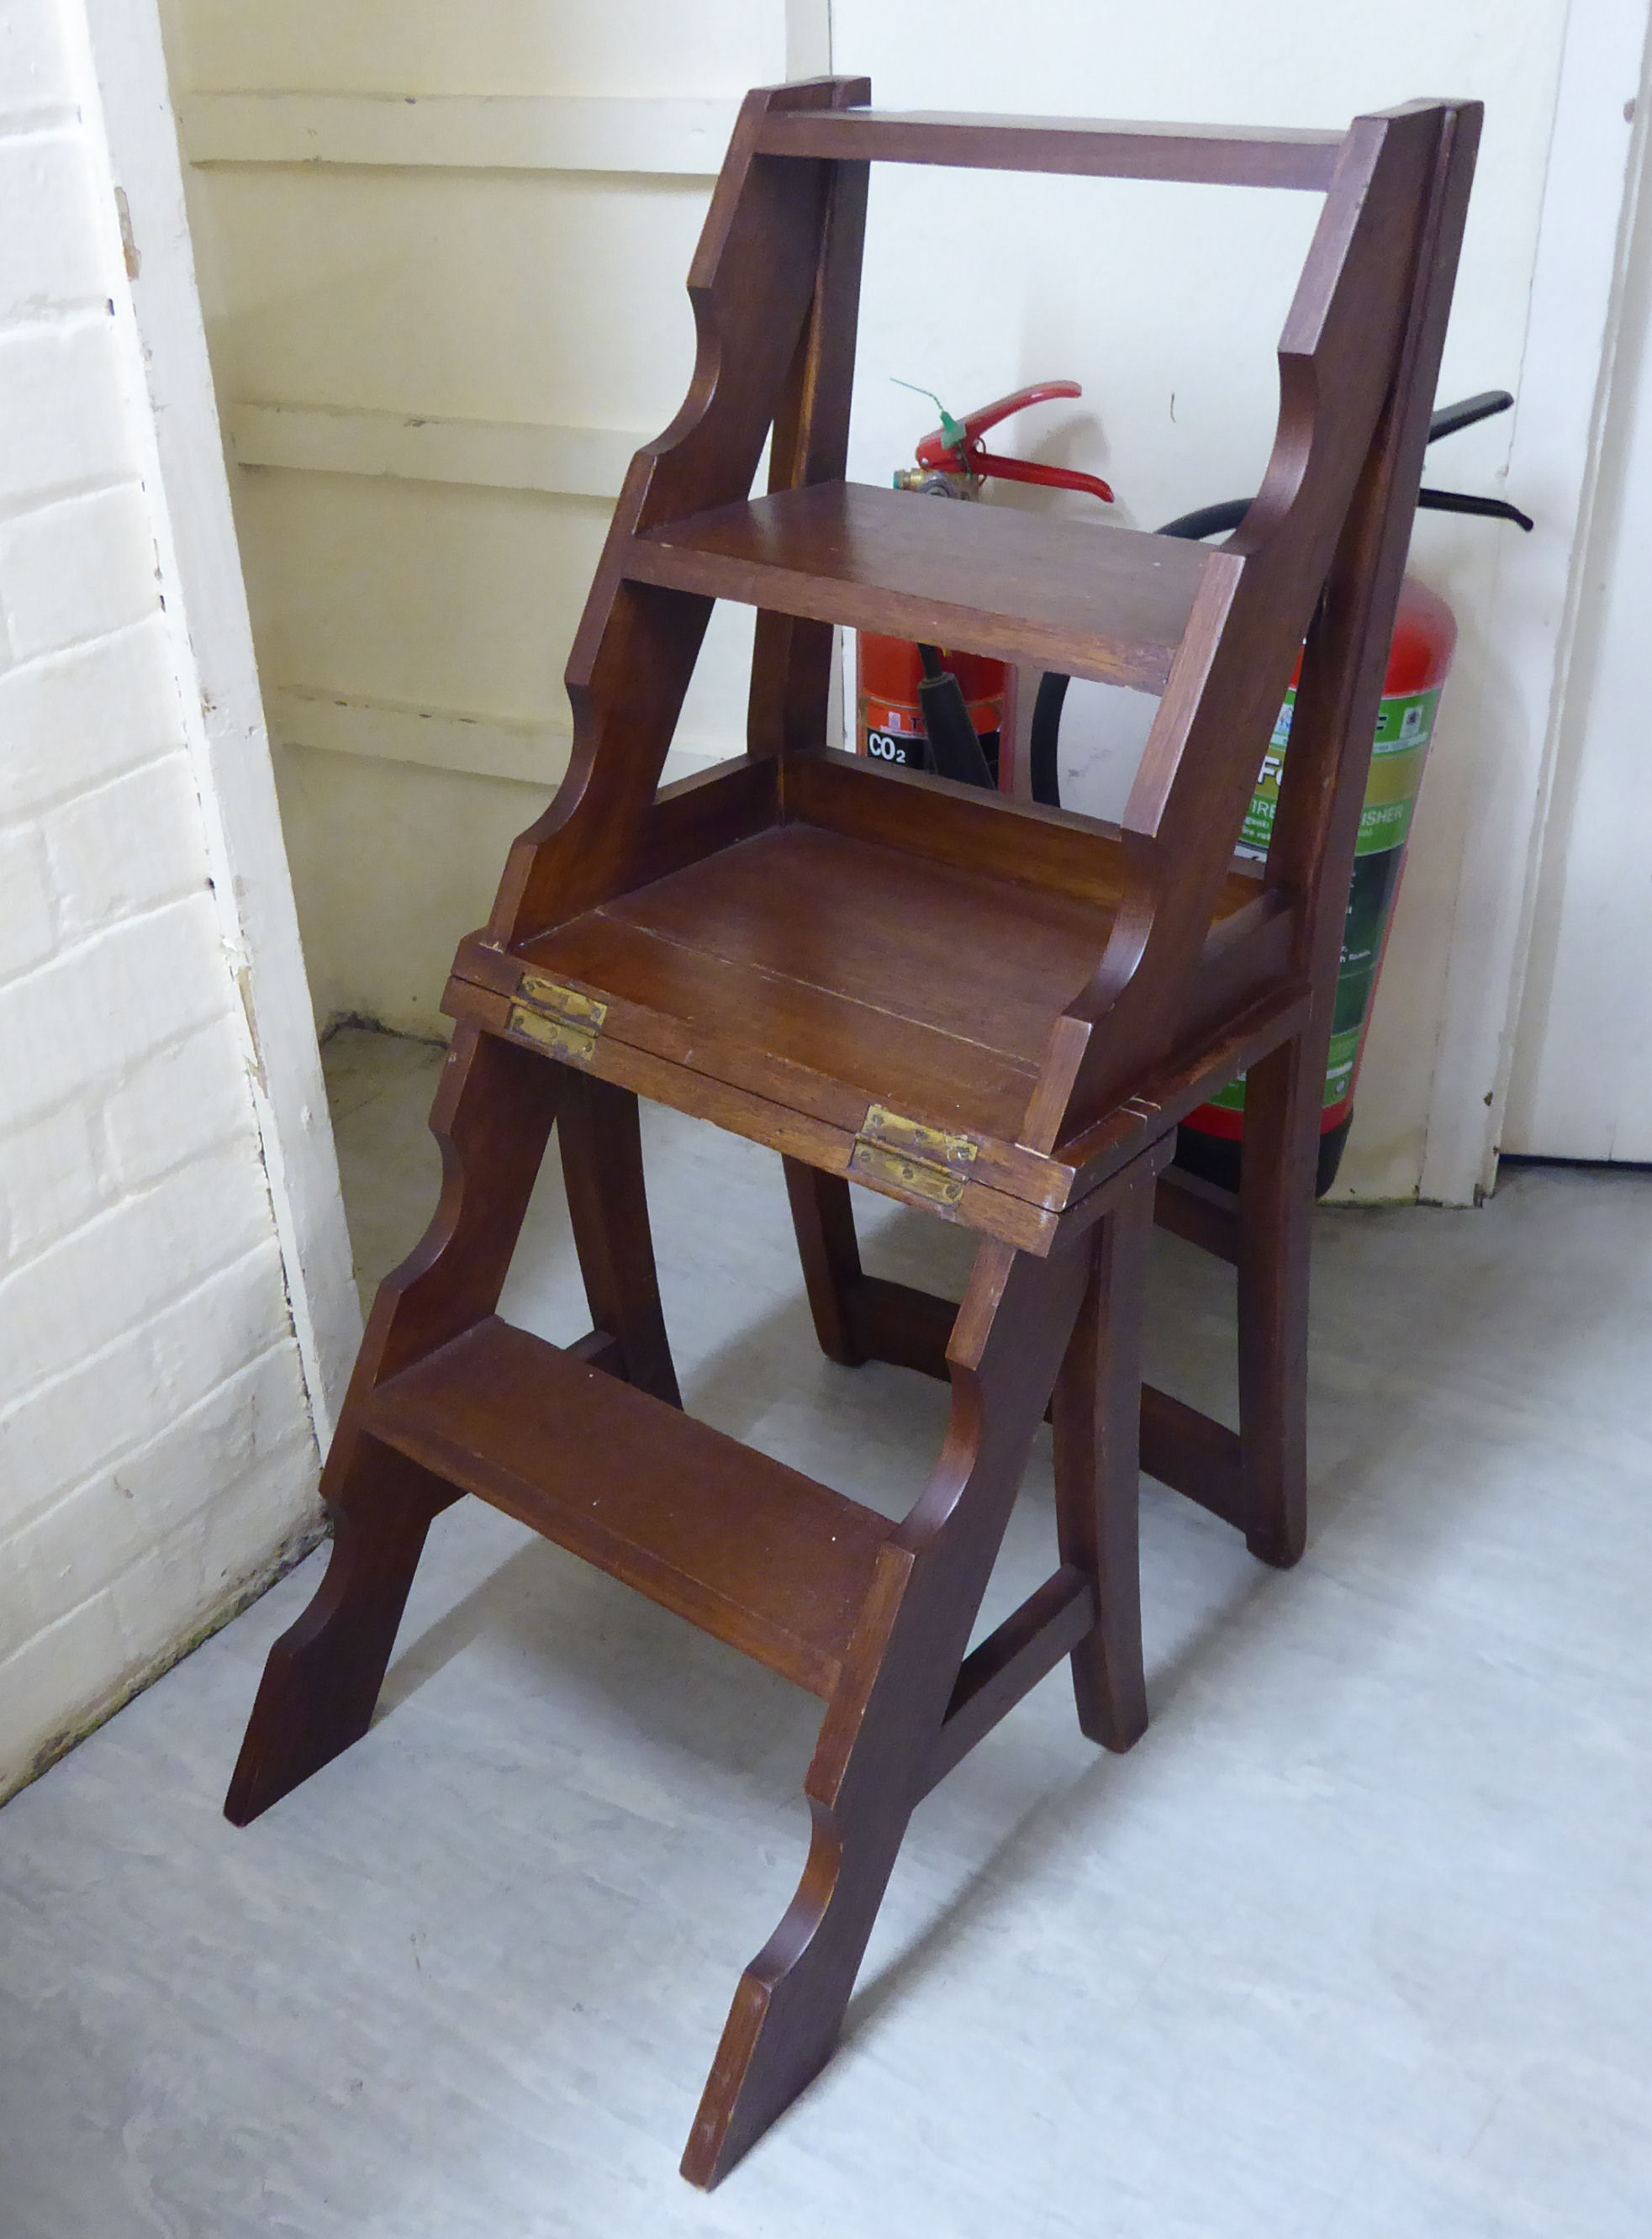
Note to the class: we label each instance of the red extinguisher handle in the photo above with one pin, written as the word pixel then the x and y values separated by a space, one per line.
pixel 941 449
pixel 1033 470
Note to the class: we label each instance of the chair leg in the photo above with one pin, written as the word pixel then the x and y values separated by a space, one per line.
pixel 323 1675
pixel 491 1118
pixel 823 1216
pixel 602 1144
pixel 1097 1421
pixel 885 1716
pixel 1282 1110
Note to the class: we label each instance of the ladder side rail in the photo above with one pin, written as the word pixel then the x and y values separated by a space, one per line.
pixel 751 285
pixel 1207 155
pixel 789 705
pixel 1321 790
pixel 1340 357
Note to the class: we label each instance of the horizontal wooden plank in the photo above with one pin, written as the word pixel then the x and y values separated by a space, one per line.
pixel 762 1119
pixel 762 1557
pixel 481 454
pixel 436 738
pixel 1208 155
pixel 477 132
pixel 1200 1212
pixel 431 738
pixel 1054 850
pixel 1194 1455
pixel 1111 604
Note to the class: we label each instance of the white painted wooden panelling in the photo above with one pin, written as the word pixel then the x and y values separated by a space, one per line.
pixel 647 49
pixel 554 299
pixel 528 753
pixel 478 453
pixel 443 255
pixel 478 132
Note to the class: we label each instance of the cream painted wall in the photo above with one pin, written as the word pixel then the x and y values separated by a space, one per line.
pixel 439 327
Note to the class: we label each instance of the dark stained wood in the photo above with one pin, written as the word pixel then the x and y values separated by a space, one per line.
pixel 1200 1212
pixel 766 1558
pixel 1216 155
pixel 883 1722
pixel 1185 1082
pixel 697 815
pixel 818 1048
pixel 492 1118
pixel 1051 850
pixel 1282 1097
pixel 1017 1220
pixel 823 1219
pixel 1316 827
pixel 1097 1470
pixel 1108 603
pixel 601 1146
pixel 1339 361
pixel 789 940
pixel 598 1350
pixel 323 1675
pixel 1194 1455
pixel 751 286
pixel 788 711
pixel 821 973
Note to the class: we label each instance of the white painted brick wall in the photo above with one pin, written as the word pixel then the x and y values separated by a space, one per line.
pixel 156 1444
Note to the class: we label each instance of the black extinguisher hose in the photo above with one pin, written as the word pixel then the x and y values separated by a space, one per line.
pixel 1044 769
pixel 954 746
pixel 1044 736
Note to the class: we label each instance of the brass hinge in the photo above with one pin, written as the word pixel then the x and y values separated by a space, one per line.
pixel 905 1156
pixel 559 1019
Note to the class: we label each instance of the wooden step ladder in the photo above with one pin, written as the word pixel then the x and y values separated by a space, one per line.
pixel 775 947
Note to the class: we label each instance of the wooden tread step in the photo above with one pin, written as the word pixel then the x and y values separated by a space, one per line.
pixel 765 1559
pixel 1110 604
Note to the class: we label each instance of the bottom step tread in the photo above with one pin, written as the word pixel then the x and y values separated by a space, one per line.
pixel 766 1558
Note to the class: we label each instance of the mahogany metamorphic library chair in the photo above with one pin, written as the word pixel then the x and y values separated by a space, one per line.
pixel 774 946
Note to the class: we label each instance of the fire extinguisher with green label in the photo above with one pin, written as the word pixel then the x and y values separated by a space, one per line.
pixel 1210 1142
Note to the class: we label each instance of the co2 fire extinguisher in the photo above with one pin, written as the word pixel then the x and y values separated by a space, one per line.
pixel 1209 1141
pixel 908 697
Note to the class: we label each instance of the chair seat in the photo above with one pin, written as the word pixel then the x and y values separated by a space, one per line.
pixel 803 976
pixel 835 973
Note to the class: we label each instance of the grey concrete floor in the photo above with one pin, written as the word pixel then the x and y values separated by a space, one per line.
pixel 1356 1944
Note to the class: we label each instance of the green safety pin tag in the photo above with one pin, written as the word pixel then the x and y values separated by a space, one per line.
pixel 956 434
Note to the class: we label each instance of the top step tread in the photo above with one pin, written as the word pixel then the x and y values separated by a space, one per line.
pixel 766 1558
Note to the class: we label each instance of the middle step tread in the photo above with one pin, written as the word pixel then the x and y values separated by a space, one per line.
pixel 762 1557
pixel 1079 596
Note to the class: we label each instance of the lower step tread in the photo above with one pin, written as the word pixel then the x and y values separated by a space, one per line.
pixel 762 1557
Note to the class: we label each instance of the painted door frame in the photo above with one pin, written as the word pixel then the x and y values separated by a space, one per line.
pixel 1567 368
pixel 164 342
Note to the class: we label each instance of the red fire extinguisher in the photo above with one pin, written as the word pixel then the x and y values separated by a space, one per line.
pixel 1209 1141
pixel 908 713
